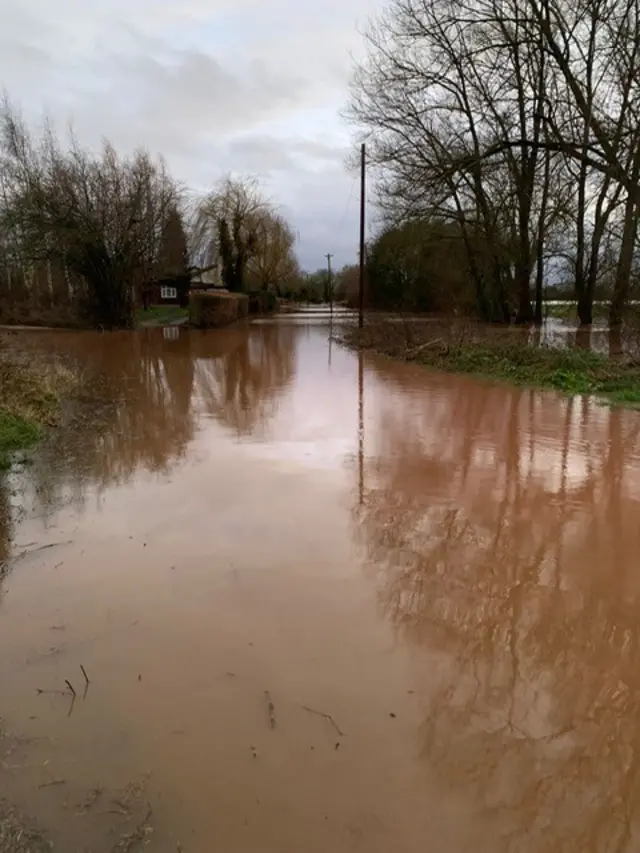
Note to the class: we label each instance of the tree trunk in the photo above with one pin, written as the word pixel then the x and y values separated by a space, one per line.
pixel 523 283
pixel 623 269
pixel 615 341
pixel 585 306
pixel 537 317
pixel 583 337
pixel 585 298
pixel 541 238
pixel 601 217
pixel 524 313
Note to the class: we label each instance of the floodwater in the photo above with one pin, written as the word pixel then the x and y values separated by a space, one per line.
pixel 325 602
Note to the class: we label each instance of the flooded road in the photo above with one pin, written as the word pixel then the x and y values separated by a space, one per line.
pixel 325 603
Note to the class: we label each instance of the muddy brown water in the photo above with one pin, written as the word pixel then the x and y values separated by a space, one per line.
pixel 325 603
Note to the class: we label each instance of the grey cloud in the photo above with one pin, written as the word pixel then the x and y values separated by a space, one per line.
pixel 325 208
pixel 182 97
pixel 262 153
pixel 305 178
pixel 319 151
pixel 230 85
pixel 24 61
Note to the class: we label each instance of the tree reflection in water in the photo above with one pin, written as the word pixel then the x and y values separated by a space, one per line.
pixel 144 394
pixel 503 529
pixel 242 390
pixel 5 528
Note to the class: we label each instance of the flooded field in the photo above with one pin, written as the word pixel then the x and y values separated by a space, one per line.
pixel 323 602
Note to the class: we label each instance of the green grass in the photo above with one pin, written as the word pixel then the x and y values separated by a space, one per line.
pixel 16 433
pixel 565 370
pixel 160 315
pixel 30 397
pixel 566 311
pixel 571 371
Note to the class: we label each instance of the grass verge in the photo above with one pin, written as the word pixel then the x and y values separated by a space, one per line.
pixel 29 402
pixel 17 836
pixel 16 433
pixel 568 370
pixel 160 315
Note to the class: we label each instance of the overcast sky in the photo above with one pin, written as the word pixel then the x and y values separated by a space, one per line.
pixel 248 86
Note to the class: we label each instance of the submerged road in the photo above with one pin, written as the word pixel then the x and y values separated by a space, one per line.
pixel 325 603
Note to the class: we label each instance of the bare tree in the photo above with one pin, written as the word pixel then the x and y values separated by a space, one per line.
pixel 236 224
pixel 437 93
pixel 101 217
pixel 516 118
pixel 225 227
pixel 273 263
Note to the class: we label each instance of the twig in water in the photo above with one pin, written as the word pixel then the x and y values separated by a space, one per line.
pixel 132 793
pixel 54 782
pixel 70 686
pixel 89 803
pixel 415 350
pixel 271 710
pixel 39 691
pixel 84 672
pixel 132 839
pixel 326 716
pixel 28 552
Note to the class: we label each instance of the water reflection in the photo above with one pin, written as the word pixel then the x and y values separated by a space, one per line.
pixel 502 528
pixel 5 522
pixel 242 389
pixel 143 394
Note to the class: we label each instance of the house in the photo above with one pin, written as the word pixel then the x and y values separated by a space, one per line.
pixel 207 278
pixel 173 289
pixel 166 291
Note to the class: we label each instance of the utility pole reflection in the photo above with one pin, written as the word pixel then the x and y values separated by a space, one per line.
pixel 361 427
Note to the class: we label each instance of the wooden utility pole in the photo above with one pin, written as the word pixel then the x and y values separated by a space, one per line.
pixel 361 426
pixel 362 215
pixel 329 287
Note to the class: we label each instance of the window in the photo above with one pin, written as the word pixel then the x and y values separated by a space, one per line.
pixel 171 333
pixel 168 292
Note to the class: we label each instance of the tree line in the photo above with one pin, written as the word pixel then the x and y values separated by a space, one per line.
pixel 111 226
pixel 506 134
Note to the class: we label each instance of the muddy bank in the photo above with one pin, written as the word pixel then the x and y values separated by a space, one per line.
pixel 325 601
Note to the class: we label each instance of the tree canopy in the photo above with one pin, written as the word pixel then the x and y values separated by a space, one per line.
pixel 517 121
pixel 108 226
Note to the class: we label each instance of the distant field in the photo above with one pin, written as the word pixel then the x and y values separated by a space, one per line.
pixel 567 309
